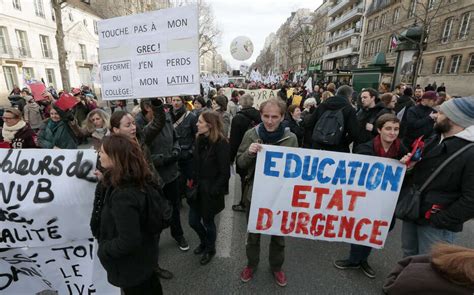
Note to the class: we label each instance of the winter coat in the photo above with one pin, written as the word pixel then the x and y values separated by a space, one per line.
pixel 296 128
pixel 211 173
pixel 308 132
pixel 365 116
pixel 247 161
pixel 33 115
pixel 404 101
pixel 164 149
pixel 453 188
pixel 59 135
pixel 226 118
pixel 80 111
pixel 126 250
pixel 415 275
pixel 243 121
pixel 350 123
pixel 419 123
pixel 186 131
pixel 24 138
pixel 367 148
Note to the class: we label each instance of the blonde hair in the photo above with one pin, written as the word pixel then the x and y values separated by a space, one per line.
pixel 326 95
pixel 90 127
pixel 455 263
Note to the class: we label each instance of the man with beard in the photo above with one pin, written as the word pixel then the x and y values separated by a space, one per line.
pixel 448 201
pixel 418 94
pixel 367 115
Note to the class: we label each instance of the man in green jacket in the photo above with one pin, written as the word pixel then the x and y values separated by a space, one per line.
pixel 270 131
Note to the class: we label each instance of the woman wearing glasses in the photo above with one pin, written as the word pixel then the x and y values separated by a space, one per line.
pixel 16 133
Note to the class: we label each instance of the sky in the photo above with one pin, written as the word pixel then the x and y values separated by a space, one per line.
pixel 255 19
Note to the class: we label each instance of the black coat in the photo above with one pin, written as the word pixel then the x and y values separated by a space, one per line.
pixel 367 148
pixel 243 121
pixel 350 122
pixel 365 116
pixel 404 101
pixel 418 123
pixel 211 174
pixel 127 252
pixel 453 188
pixel 295 127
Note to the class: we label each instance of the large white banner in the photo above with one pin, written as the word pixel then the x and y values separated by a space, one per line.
pixel 150 54
pixel 323 195
pixel 46 200
pixel 259 95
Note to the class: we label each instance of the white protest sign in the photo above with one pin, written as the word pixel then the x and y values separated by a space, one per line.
pixel 70 268
pixel 259 95
pixel 150 54
pixel 45 195
pixel 323 195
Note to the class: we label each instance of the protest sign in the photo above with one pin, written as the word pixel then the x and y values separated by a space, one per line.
pixel 297 100
pixel 150 54
pixel 259 95
pixel 37 88
pixel 45 196
pixel 46 199
pixel 324 195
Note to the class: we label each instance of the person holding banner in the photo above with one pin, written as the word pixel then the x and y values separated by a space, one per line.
pixel 128 247
pixel 16 133
pixel 211 179
pixel 387 145
pixel 270 131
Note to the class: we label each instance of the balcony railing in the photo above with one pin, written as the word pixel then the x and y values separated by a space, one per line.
pixel 342 36
pixel 338 7
pixel 342 52
pixel 14 52
pixel 351 14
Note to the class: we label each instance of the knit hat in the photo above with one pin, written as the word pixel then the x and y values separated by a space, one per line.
pixel 430 95
pixel 460 111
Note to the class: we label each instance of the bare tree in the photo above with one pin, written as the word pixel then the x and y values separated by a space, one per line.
pixel 209 34
pixel 62 53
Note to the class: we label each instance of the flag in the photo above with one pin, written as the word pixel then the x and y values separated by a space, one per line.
pixel 309 85
pixel 393 42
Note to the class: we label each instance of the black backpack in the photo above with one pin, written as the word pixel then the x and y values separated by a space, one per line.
pixel 158 210
pixel 329 130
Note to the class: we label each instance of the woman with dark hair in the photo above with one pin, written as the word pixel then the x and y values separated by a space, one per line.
pixel 211 175
pixel 448 270
pixel 57 132
pixel 387 145
pixel 219 104
pixel 199 105
pixel 293 121
pixel 128 248
pixel 389 100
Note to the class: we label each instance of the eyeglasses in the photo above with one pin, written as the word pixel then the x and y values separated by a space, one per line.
pixel 8 118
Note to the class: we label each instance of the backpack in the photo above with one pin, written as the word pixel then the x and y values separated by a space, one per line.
pixel 329 130
pixel 158 210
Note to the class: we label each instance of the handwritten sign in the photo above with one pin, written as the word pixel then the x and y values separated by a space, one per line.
pixel 150 54
pixel 259 95
pixel 323 195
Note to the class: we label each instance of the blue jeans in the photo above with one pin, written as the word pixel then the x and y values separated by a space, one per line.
pixel 205 228
pixel 418 239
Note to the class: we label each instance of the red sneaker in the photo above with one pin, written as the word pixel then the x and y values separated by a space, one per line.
pixel 280 278
pixel 246 275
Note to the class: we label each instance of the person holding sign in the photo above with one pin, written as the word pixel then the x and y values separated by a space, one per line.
pixel 57 131
pixel 211 176
pixel 387 145
pixel 270 131
pixel 128 247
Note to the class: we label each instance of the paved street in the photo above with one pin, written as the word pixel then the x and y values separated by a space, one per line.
pixel 308 263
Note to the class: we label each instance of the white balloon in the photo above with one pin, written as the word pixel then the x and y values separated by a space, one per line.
pixel 241 48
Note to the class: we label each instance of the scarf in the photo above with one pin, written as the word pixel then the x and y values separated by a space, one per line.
pixel 99 133
pixel 8 132
pixel 176 114
pixel 270 137
pixel 393 152
pixel 52 124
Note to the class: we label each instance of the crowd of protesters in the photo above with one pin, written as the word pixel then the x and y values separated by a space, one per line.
pixel 183 147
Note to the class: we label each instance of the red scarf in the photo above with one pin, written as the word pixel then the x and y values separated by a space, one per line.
pixel 393 152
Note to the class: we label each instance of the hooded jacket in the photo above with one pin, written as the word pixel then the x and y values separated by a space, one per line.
pixel 33 116
pixel 244 120
pixel 365 116
pixel 453 188
pixel 57 135
pixel 350 122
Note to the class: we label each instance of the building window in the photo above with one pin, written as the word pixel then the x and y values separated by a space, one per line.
pixel 465 25
pixel 45 47
pixel 96 30
pixel 83 51
pixel 28 73
pixel 16 4
pixel 70 17
pixel 366 48
pixel 379 44
pixel 455 62
pixel 376 23
pixel 4 48
pixel 22 40
pixel 369 26
pixel 371 50
pixel 396 15
pixel 39 11
pixel 50 77
pixel 470 65
pixel 412 9
pixel 10 77
pixel 383 19
pixel 439 64
pixel 448 25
